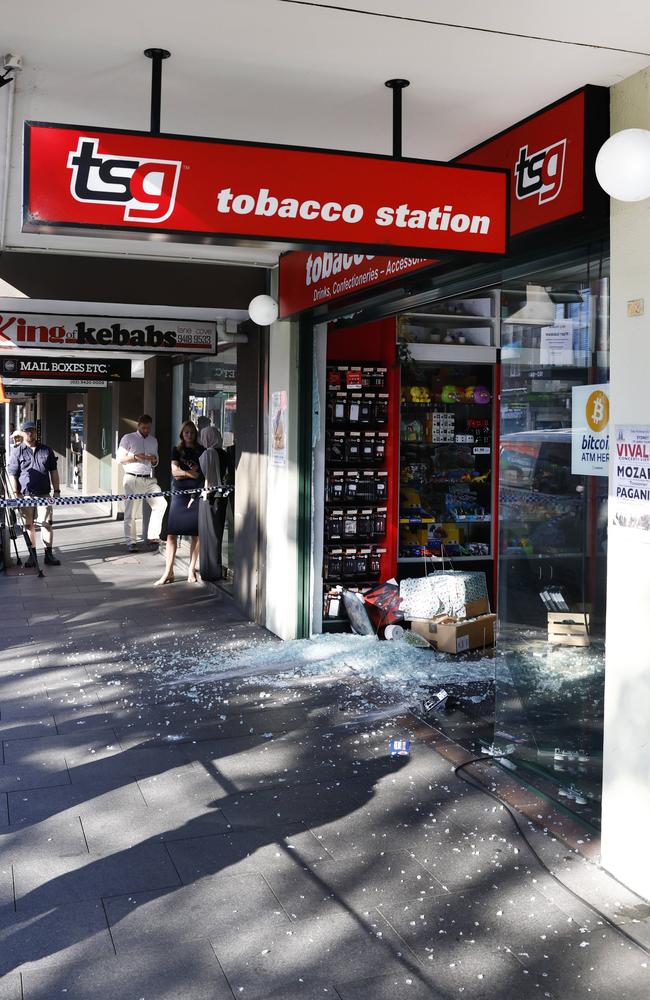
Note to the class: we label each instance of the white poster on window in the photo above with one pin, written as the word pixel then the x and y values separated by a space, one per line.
pixel 556 344
pixel 590 430
pixel 631 478
pixel 279 428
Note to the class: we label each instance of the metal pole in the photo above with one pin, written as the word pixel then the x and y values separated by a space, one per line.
pixel 397 86
pixel 156 56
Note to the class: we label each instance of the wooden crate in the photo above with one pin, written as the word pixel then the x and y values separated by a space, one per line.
pixel 568 628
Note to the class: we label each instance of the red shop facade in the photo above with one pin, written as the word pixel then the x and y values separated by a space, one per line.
pixel 447 390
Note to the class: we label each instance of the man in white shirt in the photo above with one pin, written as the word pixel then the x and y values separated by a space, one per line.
pixel 138 453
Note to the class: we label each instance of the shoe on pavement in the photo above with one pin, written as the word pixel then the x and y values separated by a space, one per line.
pixel 50 559
pixel 29 563
pixel 132 547
pixel 153 546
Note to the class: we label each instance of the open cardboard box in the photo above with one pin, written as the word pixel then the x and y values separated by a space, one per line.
pixel 456 635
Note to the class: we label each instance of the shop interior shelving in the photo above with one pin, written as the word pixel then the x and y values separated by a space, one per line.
pixel 446 459
pixel 357 487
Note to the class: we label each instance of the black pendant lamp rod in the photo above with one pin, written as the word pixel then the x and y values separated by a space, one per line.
pixel 397 86
pixel 156 56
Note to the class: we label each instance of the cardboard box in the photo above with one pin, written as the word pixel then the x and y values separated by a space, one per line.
pixel 568 628
pixel 457 635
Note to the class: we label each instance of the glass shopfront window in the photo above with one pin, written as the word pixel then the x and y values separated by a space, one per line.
pixel 213 397
pixel 553 531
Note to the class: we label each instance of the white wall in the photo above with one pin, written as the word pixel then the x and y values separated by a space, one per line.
pixel 626 778
pixel 282 488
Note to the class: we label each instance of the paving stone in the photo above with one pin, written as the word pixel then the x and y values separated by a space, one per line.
pixel 6 885
pixel 142 823
pixel 73 748
pixel 210 907
pixel 189 971
pixel 21 729
pixel 4 809
pixel 16 777
pixel 51 936
pixel 51 838
pixel 405 986
pixel 11 988
pixel 363 882
pixel 310 954
pixel 102 800
pixel 55 881
pixel 245 851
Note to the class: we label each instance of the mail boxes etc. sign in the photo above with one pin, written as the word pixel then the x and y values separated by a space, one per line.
pixel 197 189
pixel 29 368
pixel 107 333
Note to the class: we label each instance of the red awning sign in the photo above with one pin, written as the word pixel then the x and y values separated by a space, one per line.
pixel 210 189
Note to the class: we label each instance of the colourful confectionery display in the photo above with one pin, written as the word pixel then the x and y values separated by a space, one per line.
pixel 482 395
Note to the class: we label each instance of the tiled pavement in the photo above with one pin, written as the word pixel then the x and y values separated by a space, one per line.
pixel 151 849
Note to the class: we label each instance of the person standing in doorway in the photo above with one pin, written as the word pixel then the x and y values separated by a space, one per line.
pixel 138 453
pixel 187 482
pixel 32 467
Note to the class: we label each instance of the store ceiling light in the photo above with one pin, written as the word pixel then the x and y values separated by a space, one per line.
pixel 263 310
pixel 538 310
pixel 623 165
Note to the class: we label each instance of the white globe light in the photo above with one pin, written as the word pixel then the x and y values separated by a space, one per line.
pixel 623 165
pixel 263 310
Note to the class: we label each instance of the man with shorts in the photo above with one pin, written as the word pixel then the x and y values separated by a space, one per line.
pixel 138 453
pixel 31 468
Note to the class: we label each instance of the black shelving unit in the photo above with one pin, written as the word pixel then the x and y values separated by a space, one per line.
pixel 356 484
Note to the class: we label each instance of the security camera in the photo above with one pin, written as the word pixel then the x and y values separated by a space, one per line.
pixel 12 62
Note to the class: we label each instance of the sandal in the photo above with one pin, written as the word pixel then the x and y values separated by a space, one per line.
pixel 163 580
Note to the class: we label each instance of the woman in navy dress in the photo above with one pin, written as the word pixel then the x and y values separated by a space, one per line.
pixel 184 509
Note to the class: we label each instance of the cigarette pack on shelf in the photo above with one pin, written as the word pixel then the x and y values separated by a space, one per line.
pixel 336 487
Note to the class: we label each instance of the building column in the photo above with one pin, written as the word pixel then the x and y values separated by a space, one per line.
pixel 53 414
pixel 626 763
pixel 157 403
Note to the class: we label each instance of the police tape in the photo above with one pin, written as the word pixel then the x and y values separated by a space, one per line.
pixel 14 503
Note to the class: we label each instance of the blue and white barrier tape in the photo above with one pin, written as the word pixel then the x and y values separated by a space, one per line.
pixel 59 501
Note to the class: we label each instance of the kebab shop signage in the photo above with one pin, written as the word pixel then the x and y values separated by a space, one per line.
pixel 107 333
pixel 211 189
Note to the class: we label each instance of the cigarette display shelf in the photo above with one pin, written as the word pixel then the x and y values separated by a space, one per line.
pixel 356 481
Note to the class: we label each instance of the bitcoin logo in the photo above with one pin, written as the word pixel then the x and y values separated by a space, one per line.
pixel 597 411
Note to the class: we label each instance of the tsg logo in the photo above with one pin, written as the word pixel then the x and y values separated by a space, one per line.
pixel 540 173
pixel 146 187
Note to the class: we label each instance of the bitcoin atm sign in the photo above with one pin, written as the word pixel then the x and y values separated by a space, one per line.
pixel 590 430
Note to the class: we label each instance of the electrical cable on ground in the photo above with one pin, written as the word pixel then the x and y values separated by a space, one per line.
pixel 475 783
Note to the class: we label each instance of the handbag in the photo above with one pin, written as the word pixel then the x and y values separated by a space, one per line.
pixel 383 604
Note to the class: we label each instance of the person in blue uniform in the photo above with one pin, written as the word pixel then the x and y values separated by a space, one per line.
pixel 184 508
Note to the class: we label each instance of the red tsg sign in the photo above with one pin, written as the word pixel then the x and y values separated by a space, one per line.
pixel 86 178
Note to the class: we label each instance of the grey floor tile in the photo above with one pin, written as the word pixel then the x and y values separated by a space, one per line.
pixel 26 729
pixel 405 986
pixel 56 881
pixel 212 906
pixel 245 851
pixel 16 777
pixel 143 823
pixel 4 809
pixel 362 882
pixel 309 955
pixel 56 837
pixel 6 885
pixel 53 936
pixel 11 988
pixel 101 800
pixel 189 971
